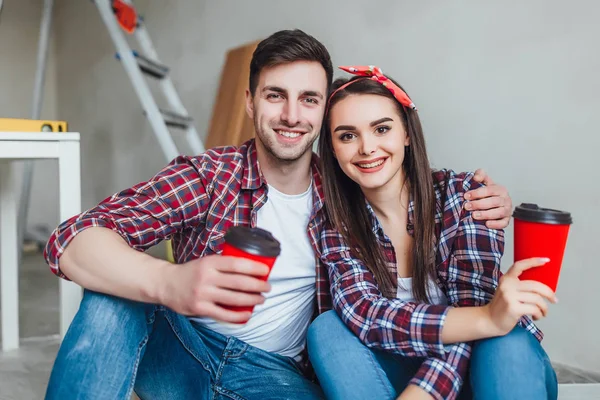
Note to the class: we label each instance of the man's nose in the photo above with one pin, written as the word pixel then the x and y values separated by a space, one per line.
pixel 291 113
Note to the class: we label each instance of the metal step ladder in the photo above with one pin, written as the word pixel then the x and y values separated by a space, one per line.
pixel 120 17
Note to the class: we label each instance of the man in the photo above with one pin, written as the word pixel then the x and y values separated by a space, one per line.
pixel 152 326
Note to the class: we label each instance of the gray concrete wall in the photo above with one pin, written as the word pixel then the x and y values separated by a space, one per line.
pixel 510 86
pixel 19 33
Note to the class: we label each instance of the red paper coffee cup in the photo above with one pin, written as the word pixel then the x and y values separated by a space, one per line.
pixel 252 243
pixel 541 232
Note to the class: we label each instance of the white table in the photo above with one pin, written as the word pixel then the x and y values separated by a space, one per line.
pixel 16 146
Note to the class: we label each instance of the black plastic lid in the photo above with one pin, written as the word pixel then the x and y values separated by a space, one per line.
pixel 534 213
pixel 253 240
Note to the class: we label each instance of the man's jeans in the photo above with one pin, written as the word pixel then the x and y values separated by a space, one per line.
pixel 510 367
pixel 114 346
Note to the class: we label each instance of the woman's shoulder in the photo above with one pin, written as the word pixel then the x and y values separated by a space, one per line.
pixel 450 188
pixel 451 183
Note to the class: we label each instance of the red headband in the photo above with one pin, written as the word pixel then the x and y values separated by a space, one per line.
pixel 375 73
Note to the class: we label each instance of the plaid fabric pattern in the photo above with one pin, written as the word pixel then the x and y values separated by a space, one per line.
pixel 193 201
pixel 468 269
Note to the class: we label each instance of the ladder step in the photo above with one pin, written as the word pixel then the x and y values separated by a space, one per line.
pixel 175 120
pixel 151 67
pixel 148 66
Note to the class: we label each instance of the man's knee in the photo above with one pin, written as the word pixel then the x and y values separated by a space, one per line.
pixel 103 317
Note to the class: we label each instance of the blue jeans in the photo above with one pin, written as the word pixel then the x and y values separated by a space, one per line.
pixel 115 346
pixel 514 366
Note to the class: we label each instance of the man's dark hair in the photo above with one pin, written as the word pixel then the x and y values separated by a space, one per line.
pixel 285 47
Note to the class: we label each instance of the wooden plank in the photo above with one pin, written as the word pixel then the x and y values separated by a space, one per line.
pixel 230 125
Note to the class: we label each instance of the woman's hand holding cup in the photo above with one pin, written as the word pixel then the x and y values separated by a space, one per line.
pixel 515 298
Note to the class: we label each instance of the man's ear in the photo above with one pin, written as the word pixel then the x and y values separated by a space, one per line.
pixel 249 104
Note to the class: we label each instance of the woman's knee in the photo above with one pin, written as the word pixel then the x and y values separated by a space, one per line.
pixel 518 352
pixel 328 333
pixel 517 347
pixel 511 366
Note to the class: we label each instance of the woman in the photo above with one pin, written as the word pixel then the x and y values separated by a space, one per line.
pixel 424 311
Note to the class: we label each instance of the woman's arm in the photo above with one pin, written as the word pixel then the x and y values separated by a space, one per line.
pixel 513 300
pixel 484 303
pixel 487 304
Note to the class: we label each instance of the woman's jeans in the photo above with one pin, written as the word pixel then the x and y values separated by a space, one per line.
pixel 514 366
pixel 114 346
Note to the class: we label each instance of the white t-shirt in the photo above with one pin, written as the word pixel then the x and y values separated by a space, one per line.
pixel 279 325
pixel 404 292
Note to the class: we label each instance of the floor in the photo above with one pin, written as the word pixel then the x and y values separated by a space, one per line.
pixel 24 372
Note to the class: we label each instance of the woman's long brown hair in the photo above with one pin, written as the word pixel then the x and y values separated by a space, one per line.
pixel 346 204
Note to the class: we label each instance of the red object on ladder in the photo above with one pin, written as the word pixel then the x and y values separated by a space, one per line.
pixel 126 15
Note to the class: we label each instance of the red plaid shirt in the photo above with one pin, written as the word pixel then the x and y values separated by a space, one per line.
pixel 193 201
pixel 468 269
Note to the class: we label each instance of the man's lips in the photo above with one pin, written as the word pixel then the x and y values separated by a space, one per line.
pixel 289 133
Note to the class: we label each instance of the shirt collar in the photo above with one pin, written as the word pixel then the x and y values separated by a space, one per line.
pixel 253 178
pixel 318 194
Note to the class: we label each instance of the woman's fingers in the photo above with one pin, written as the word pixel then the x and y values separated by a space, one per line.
pixel 534 299
pixel 538 288
pixel 517 269
pixel 531 309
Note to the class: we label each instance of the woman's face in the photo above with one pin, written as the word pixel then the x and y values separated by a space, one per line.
pixel 368 140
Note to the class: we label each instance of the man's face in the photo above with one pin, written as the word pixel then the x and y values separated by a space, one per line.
pixel 287 108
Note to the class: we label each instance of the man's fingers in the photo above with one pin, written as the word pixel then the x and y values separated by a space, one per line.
pixel 487 203
pixel 498 223
pixel 219 313
pixel 538 288
pixel 520 266
pixel 491 214
pixel 535 299
pixel 240 265
pixel 243 283
pixel 482 177
pixel 236 298
pixel 486 191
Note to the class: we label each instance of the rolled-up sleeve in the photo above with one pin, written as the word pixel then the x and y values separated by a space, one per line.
pixel 144 214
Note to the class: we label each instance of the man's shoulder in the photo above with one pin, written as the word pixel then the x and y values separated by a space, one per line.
pixel 219 156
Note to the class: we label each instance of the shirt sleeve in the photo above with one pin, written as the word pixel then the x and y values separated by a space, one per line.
pixel 409 329
pixel 144 214
pixel 471 277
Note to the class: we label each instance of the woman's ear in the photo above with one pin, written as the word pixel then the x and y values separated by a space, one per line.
pixel 407 141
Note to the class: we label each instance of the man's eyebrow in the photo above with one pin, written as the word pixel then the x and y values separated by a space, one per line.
pixel 276 89
pixel 312 93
